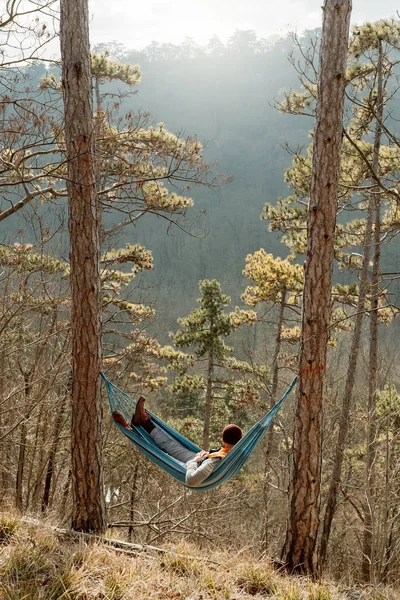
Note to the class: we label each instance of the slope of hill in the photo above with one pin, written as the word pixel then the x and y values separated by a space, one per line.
pixel 36 563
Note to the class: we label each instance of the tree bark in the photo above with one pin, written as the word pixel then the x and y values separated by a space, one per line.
pixel 86 441
pixel 132 501
pixel 301 538
pixel 344 422
pixel 22 441
pixel 367 567
pixel 270 434
pixel 53 452
pixel 65 494
pixel 368 536
pixel 98 125
pixel 37 459
pixel 20 468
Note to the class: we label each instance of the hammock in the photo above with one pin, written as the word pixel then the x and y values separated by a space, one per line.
pixel 228 467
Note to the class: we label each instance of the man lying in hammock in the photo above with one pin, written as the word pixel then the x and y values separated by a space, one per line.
pixel 198 466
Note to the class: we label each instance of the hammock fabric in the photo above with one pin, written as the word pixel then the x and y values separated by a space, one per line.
pixel 228 467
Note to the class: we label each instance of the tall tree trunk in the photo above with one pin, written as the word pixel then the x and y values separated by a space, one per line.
pixel 86 439
pixel 270 434
pixel 132 501
pixel 367 567
pixel 37 458
pixel 344 422
pixel 53 452
pixel 97 153
pixel 65 494
pixel 385 494
pixel 20 468
pixel 22 441
pixel 301 538
pixel 207 403
pixel 393 488
pixel 6 481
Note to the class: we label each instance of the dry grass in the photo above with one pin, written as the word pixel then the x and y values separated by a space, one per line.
pixel 36 564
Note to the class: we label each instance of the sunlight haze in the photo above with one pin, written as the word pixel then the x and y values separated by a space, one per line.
pixel 136 25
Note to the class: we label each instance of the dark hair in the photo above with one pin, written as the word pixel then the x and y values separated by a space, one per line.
pixel 231 434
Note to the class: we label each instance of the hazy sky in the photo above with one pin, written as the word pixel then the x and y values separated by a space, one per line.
pixel 137 24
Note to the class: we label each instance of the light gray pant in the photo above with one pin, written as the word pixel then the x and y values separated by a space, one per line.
pixel 171 446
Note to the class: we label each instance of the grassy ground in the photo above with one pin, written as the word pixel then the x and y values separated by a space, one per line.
pixel 38 564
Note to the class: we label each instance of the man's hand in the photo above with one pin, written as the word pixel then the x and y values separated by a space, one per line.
pixel 199 457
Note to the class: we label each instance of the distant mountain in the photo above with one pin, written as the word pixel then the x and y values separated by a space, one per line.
pixel 227 101
pixel 224 95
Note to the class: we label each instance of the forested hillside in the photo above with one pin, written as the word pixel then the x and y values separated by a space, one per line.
pixel 226 98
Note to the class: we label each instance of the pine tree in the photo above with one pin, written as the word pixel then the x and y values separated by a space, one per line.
pixel 301 539
pixel 86 431
pixel 204 329
pixel 368 170
pixel 280 283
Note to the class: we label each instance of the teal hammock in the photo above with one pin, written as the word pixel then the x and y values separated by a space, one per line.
pixel 228 466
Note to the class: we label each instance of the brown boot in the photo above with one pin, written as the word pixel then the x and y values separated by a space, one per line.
pixel 141 417
pixel 119 418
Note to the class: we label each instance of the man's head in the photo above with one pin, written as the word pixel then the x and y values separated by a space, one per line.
pixel 231 434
